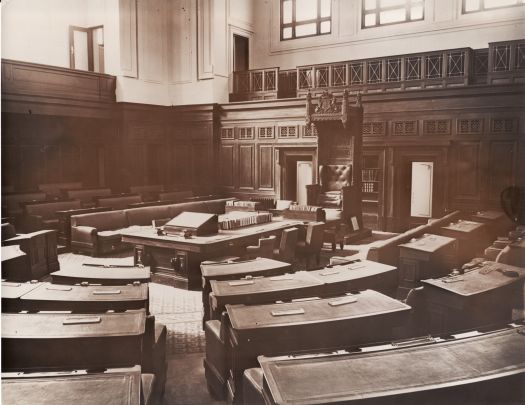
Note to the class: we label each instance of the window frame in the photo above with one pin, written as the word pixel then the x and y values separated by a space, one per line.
pixel 408 5
pixel 318 20
pixel 483 9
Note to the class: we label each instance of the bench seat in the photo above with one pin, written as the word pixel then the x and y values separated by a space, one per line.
pixel 100 233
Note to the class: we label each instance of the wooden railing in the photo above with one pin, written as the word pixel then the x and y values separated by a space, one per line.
pixel 390 73
pixel 31 79
pixel 501 62
pixel 256 84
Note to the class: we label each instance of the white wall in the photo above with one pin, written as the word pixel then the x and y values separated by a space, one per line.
pixel 444 27
pixel 162 53
pixel 37 31
pixel 183 51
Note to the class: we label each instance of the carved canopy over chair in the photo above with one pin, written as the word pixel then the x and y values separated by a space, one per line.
pixel 339 141
pixel 339 149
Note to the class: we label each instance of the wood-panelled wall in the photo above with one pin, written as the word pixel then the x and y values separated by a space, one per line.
pixel 474 136
pixel 251 141
pixel 62 125
pixel 168 145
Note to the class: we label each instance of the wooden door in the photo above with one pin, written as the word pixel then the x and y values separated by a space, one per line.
pixel 304 178
pixel 421 189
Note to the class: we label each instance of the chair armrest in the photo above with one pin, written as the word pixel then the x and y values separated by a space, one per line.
pixel 83 234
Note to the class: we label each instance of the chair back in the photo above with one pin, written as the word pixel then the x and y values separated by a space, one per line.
pixel 315 235
pixel 288 243
pixel 266 246
pixel 263 249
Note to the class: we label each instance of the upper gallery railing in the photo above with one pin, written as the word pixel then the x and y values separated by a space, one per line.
pixel 258 83
pixel 501 62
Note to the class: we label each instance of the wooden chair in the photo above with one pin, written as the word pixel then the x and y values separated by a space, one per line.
pixel 313 243
pixel 286 251
pixel 263 249
pixel 417 324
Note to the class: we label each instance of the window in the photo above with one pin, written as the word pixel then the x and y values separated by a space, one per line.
pixel 385 12
pixel 472 6
pixel 305 18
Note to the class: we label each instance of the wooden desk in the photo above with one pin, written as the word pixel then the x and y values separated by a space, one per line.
pixel 86 299
pixel 180 258
pixel 58 340
pixel 483 369
pixel 12 292
pixel 496 221
pixel 101 275
pixel 41 250
pixel 315 325
pixel 482 296
pixel 337 280
pixel 15 264
pixel 113 386
pixel 471 236
pixel 257 267
pixel 425 257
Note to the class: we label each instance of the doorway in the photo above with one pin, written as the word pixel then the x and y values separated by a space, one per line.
pixel 421 189
pixel 297 170
pixel 241 53
pixel 304 177
pixel 86 48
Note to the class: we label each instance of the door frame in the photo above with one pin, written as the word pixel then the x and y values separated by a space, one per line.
pixel 282 156
pixel 400 193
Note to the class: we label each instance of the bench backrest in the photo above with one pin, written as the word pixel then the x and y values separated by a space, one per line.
pixel 176 196
pixel 54 189
pixel 47 210
pixel 87 194
pixel 102 221
pixel 12 201
pixel 118 202
pixel 155 188
pixel 145 215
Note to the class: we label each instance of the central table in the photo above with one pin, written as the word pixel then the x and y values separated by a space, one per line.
pixel 180 258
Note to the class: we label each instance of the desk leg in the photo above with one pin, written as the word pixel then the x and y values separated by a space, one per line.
pixel 140 256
